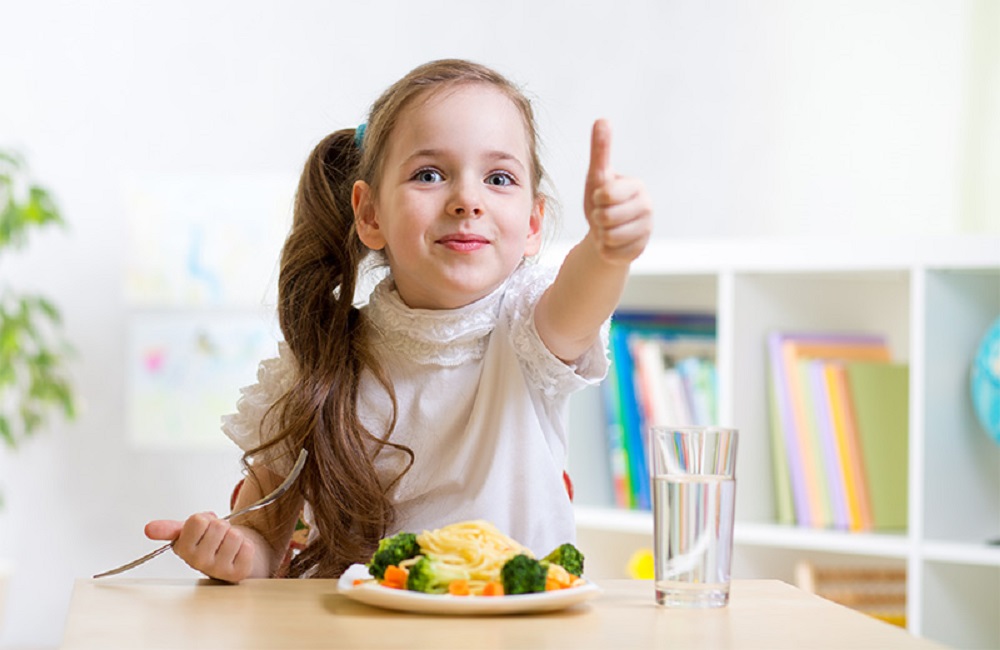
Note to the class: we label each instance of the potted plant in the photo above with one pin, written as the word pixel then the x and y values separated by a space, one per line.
pixel 33 350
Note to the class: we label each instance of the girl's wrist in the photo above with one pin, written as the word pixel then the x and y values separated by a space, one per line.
pixel 593 243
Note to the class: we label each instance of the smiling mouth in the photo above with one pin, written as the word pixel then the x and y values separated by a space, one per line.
pixel 463 242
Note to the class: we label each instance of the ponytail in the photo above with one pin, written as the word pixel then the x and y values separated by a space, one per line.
pixel 320 259
pixel 330 341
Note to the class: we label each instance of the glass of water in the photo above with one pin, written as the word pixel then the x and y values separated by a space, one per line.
pixel 693 470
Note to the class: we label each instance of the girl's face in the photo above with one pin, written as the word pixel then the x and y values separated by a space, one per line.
pixel 455 212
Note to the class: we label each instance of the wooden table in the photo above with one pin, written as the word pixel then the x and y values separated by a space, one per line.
pixel 301 614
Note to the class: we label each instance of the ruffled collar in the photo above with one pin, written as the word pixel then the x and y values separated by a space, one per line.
pixel 447 337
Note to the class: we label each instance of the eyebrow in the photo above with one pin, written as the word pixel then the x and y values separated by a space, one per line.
pixel 497 155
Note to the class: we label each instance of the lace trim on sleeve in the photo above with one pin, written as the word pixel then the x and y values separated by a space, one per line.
pixel 542 368
pixel 274 378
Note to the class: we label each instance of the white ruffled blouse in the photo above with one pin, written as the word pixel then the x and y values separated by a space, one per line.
pixel 481 402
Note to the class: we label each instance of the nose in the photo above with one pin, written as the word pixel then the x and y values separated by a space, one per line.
pixel 465 200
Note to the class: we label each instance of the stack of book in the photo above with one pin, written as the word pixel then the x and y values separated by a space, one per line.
pixel 662 372
pixel 839 429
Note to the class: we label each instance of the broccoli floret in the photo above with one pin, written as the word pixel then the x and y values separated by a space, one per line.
pixel 523 575
pixel 392 551
pixel 432 577
pixel 568 557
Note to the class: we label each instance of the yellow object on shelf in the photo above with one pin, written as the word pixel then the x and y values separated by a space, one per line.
pixel 640 565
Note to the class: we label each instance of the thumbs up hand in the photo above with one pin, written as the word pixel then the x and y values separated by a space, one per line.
pixel 571 313
pixel 618 209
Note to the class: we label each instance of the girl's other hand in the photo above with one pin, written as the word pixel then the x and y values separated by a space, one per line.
pixel 208 544
pixel 618 209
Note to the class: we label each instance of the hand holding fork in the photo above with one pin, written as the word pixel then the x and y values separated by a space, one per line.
pixel 212 545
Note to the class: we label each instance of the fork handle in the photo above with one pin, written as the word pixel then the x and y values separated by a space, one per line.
pixel 134 563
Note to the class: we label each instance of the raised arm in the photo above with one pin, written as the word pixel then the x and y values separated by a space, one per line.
pixel 592 277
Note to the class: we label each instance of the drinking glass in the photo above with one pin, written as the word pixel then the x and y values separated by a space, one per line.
pixel 693 470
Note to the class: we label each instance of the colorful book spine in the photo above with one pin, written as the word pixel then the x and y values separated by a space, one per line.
pixel 631 419
pixel 646 386
pixel 617 453
pixel 789 484
pixel 818 511
pixel 855 482
pixel 833 459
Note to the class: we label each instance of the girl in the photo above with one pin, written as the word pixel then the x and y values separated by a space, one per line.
pixel 443 398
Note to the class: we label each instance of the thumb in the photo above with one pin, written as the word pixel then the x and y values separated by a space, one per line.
pixel 600 153
pixel 164 529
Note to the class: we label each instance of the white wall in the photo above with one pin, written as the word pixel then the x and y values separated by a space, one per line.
pixel 745 119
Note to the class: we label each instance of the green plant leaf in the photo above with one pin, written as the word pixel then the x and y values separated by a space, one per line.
pixel 48 309
pixel 36 210
pixel 41 209
pixel 7 375
pixel 9 219
pixel 33 349
pixel 6 433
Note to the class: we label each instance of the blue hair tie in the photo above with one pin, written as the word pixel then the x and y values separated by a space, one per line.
pixel 359 135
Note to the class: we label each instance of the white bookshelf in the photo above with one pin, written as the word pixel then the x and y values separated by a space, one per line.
pixel 933 298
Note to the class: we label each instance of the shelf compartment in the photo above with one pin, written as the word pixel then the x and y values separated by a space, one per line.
pixel 962 465
pixel 861 301
pixel 959 605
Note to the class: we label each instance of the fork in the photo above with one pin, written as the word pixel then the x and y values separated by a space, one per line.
pixel 265 501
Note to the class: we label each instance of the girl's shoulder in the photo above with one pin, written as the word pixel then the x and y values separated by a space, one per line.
pixel 275 376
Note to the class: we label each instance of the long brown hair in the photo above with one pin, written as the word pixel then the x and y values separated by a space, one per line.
pixel 329 337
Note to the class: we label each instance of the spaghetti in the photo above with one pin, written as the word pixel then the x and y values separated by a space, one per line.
pixel 475 550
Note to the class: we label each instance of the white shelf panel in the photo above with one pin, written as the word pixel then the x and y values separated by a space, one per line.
pixel 827 541
pixel 749 534
pixel 958 553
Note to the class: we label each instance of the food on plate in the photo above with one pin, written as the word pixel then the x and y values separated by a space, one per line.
pixel 471 558
pixel 568 557
pixel 391 552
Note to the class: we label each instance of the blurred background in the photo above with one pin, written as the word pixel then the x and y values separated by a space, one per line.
pixel 171 136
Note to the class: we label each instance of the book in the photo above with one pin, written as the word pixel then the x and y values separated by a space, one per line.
pixel 879 393
pixel 699 378
pixel 778 408
pixel 800 477
pixel 805 407
pixel 815 370
pixel 630 417
pixel 617 455
pixel 842 416
pixel 650 379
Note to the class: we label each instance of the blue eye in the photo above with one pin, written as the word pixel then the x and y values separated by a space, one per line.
pixel 500 179
pixel 428 176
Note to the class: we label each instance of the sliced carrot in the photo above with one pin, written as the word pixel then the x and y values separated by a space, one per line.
pixel 551 584
pixel 458 587
pixel 395 577
pixel 493 589
pixel 358 581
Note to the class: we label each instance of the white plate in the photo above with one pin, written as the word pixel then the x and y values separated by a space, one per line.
pixel 372 593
